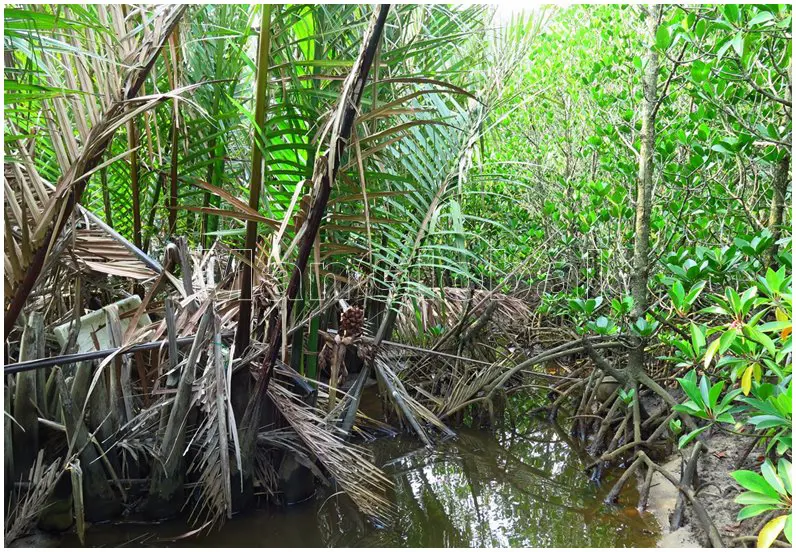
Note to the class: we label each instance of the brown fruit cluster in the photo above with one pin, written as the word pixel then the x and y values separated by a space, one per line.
pixel 352 322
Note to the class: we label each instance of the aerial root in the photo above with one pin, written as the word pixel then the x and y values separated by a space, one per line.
pixel 618 435
pixel 746 452
pixel 689 474
pixel 630 425
pixel 707 524
pixel 613 494
pixel 753 540
pixel 563 394
pixel 645 491
pixel 663 426
pixel 763 521
pixel 610 418
pixel 683 485
pixel 581 425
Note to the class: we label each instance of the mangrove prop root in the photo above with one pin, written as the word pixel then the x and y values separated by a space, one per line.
pixel 753 540
pixel 557 403
pixel 587 393
pixel 652 420
pixel 663 426
pixel 702 515
pixel 596 446
pixel 746 452
pixel 617 488
pixel 619 432
pixel 609 402
pixel 565 349
pixel 686 481
pixel 645 491
pixel 617 452
pixel 763 521
pixel 586 400
pixel 668 399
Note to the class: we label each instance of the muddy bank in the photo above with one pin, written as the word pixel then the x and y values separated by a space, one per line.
pixel 715 488
pixel 662 502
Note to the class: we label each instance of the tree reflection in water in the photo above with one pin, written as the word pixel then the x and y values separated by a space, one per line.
pixel 521 487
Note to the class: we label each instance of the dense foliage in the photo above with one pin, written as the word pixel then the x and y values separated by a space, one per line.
pixel 720 273
pixel 496 152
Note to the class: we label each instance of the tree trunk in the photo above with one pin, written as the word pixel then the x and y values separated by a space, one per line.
pixel 638 279
pixel 777 214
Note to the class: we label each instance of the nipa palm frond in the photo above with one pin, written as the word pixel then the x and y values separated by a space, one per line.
pixel 212 463
pixel 350 465
pixel 60 56
pixel 27 509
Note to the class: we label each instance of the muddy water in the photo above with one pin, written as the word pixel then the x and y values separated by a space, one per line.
pixel 520 486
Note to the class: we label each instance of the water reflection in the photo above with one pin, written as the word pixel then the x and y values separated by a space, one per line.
pixel 519 487
pixel 513 490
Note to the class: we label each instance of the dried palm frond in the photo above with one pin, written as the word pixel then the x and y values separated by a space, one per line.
pixel 265 476
pixel 28 507
pixel 448 304
pixel 289 441
pixel 466 386
pixel 137 438
pixel 102 253
pixel 40 217
pixel 408 405
pixel 350 465
pixel 212 463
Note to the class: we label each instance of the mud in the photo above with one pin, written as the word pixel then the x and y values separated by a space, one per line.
pixel 716 489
